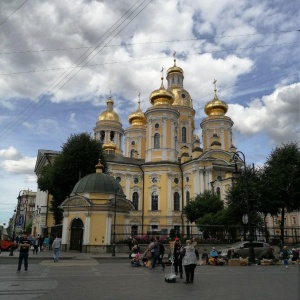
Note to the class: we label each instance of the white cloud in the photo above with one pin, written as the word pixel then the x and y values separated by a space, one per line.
pixel 277 115
pixel 10 153
pixel 24 165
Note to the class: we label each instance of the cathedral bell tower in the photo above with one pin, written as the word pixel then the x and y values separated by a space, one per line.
pixel 135 135
pixel 217 128
pixel 109 129
pixel 162 126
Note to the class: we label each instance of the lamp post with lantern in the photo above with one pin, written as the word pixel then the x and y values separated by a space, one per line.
pixel 17 213
pixel 246 217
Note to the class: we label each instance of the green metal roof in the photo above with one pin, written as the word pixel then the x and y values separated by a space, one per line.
pixel 98 183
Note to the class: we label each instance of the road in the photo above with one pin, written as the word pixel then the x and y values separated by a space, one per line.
pixel 113 278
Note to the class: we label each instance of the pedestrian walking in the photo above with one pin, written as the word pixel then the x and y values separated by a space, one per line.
pixel 177 257
pixel 35 245
pixel 46 243
pixel 24 245
pixel 285 256
pixel 41 241
pixel 157 254
pixel 190 256
pixel 56 248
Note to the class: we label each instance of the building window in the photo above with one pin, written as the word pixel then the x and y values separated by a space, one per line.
pixel 176 201
pixel 187 178
pixel 112 136
pixel 132 153
pixel 156 126
pixel 218 190
pixel 135 200
pixel 136 180
pixel 176 180
pixel 132 143
pixel 102 136
pixel 187 196
pixel 294 221
pixel 118 179
pixel 134 230
pixel 154 202
pixel 183 130
pixel 177 230
pixel 156 141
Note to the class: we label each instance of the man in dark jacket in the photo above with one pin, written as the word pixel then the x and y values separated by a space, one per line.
pixel 157 255
pixel 24 245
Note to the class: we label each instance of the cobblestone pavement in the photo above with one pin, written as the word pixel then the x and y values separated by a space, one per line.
pixel 83 276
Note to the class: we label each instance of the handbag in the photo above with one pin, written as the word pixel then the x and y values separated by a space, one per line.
pixel 149 255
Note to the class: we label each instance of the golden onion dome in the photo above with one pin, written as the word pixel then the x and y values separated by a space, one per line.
pixel 181 97
pixel 109 114
pixel 137 118
pixel 174 69
pixel 109 146
pixel 161 96
pixel 216 107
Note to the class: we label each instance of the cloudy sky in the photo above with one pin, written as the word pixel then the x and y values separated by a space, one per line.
pixel 60 60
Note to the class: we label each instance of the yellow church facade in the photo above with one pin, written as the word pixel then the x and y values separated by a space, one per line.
pixel 161 164
pixel 155 167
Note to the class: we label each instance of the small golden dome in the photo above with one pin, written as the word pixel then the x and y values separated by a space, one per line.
pixel 161 96
pixel 216 107
pixel 137 118
pixel 109 146
pixel 109 114
pixel 174 69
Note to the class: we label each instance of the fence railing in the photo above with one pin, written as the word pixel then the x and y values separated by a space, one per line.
pixel 207 233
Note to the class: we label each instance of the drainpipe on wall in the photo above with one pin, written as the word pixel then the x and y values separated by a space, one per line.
pixel 182 198
pixel 143 202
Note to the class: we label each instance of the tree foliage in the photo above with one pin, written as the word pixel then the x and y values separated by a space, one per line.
pixel 204 203
pixel 282 179
pixel 77 159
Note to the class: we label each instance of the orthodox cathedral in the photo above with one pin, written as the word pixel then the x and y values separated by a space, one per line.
pixel 155 167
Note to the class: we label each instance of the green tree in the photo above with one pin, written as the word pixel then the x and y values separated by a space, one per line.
pixel 204 203
pixel 77 159
pixel 282 179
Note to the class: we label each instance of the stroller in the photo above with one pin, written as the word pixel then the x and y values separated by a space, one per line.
pixel 171 277
pixel 136 260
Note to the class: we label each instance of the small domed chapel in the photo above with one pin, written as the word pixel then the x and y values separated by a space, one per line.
pixel 155 167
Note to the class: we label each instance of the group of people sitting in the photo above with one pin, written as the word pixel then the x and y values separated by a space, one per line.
pixel 181 256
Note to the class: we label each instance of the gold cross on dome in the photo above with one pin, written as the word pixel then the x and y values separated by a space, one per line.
pixel 215 81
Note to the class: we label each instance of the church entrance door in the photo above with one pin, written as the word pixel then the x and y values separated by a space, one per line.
pixel 76 235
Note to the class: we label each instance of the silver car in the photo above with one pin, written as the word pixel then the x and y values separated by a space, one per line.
pixel 241 249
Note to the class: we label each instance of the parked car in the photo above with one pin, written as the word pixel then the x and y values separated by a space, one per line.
pixel 6 242
pixel 241 249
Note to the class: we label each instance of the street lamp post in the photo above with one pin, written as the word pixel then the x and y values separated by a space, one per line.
pixel 114 226
pixel 17 211
pixel 247 219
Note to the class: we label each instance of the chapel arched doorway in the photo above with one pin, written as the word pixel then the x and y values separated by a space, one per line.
pixel 76 235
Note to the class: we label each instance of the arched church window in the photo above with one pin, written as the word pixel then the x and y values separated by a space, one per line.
pixel 102 136
pixel 176 201
pixel 218 192
pixel 154 201
pixel 156 140
pixel 183 130
pixel 135 200
pixel 132 153
pixel 187 197
pixel 112 136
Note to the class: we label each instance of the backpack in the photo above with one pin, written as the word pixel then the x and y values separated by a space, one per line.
pixel 161 249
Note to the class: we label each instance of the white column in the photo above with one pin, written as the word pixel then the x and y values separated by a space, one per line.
pixel 65 229
pixel 87 225
pixel 108 229
pixel 170 196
